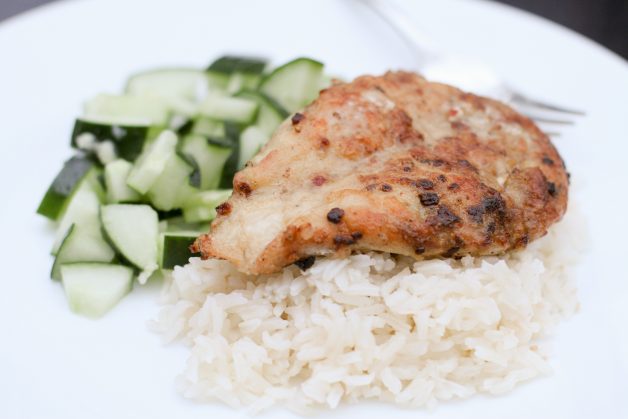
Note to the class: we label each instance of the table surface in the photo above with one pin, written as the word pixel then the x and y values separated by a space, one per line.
pixel 605 21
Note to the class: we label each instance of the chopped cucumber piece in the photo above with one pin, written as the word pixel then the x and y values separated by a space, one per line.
pixel 176 248
pixel 294 84
pixel 92 289
pixel 116 174
pixel 152 162
pixel 229 64
pixel 201 207
pixel 63 186
pixel 229 108
pixel 128 110
pixel 251 140
pixel 134 231
pixel 81 245
pixel 167 192
pixel 83 207
pixel 210 159
pixel 184 83
pixel 128 140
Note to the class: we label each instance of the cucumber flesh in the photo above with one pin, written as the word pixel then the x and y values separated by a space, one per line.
pixel 209 128
pixel 176 248
pixel 81 245
pixel 128 110
pixel 210 159
pixel 152 162
pixel 62 187
pixel 227 108
pixel 251 140
pixel 134 231
pixel 116 174
pixel 92 289
pixel 294 84
pixel 184 83
pixel 166 193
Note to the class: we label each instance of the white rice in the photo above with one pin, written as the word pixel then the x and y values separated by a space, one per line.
pixel 371 326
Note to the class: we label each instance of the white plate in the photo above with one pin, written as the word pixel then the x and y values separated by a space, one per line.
pixel 54 364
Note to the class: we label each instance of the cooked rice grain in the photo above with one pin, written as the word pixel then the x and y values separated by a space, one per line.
pixel 371 326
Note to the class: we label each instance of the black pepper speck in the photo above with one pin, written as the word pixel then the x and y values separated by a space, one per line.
pixel 335 215
pixel 428 198
pixel 344 239
pixel 451 251
pixel 426 184
pixel 445 217
pixel 356 235
pixel 297 117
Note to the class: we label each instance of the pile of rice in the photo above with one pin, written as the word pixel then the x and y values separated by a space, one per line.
pixel 371 326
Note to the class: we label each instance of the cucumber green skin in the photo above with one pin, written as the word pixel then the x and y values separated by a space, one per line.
pixel 168 215
pixel 176 250
pixel 56 198
pixel 128 146
pixel 230 64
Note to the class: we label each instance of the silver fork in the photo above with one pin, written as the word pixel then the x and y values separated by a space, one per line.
pixel 468 73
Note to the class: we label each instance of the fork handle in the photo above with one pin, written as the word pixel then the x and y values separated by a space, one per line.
pixel 425 49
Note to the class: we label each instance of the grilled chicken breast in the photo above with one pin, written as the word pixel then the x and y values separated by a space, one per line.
pixel 395 164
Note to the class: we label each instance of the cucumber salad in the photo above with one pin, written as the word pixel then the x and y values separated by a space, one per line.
pixel 151 164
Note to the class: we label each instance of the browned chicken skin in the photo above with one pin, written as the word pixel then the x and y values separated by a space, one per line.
pixel 396 164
